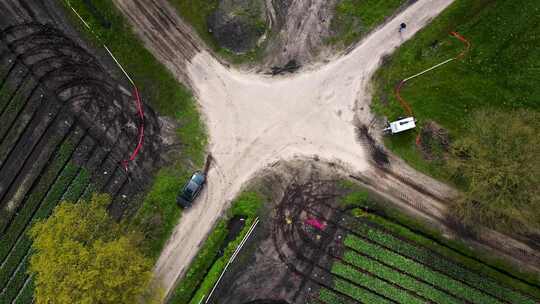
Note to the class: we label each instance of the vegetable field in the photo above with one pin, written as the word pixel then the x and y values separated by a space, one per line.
pixel 359 253
pixel 378 265
pixel 54 145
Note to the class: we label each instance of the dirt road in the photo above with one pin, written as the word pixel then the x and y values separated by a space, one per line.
pixel 254 121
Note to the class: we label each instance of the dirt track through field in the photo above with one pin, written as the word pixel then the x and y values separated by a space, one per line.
pixel 255 121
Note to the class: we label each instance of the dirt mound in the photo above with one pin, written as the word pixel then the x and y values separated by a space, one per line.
pixel 434 141
pixel 238 25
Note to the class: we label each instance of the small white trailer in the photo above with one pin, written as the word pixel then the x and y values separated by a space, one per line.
pixel 401 125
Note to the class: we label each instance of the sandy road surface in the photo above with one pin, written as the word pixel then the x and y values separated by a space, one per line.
pixel 254 121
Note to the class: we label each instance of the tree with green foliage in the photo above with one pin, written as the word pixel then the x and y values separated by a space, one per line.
pixel 499 162
pixel 81 255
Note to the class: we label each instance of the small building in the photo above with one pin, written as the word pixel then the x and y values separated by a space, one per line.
pixel 401 125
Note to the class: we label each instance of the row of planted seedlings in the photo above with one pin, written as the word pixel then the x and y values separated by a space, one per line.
pixel 60 180
pixel 419 270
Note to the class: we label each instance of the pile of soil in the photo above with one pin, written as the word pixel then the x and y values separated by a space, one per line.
pixel 238 25
pixel 434 141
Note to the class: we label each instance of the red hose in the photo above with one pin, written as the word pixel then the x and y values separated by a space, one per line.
pixel 402 101
pixel 125 162
pixel 467 44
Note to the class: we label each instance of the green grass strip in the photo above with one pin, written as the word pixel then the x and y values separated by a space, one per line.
pixel 414 268
pixel 357 293
pixel 398 278
pixel 446 266
pixel 375 284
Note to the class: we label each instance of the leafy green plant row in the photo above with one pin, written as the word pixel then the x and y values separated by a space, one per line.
pixel 16 282
pixel 443 265
pixel 406 281
pixel 27 293
pixel 355 292
pixel 471 264
pixel 414 268
pixel 10 113
pixel 76 189
pixel 51 199
pixel 375 284
pixel 329 297
pixel 34 199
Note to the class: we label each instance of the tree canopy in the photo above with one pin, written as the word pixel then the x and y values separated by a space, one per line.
pixel 499 162
pixel 81 255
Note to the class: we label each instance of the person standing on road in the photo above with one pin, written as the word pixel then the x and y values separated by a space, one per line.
pixel 402 27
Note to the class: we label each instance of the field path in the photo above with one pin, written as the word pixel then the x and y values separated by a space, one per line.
pixel 254 121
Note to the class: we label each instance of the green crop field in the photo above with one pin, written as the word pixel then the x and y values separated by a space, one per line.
pixel 382 264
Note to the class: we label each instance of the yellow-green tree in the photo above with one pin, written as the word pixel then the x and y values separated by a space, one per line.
pixel 81 255
pixel 499 162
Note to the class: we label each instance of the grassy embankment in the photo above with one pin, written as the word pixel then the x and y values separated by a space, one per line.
pixel 355 18
pixel 196 13
pixel 501 71
pixel 385 226
pixel 159 212
pixel 205 269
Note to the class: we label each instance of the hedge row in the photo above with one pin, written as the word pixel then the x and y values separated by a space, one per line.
pixel 203 271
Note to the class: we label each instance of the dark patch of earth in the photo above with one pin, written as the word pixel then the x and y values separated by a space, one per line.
pixel 237 25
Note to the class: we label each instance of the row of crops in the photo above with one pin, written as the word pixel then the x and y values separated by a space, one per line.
pixel 382 265
pixel 47 174
pixel 60 180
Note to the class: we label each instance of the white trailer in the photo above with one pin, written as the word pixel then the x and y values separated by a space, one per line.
pixel 401 125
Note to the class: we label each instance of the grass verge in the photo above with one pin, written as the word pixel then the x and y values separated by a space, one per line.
pixel 205 270
pixel 159 213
